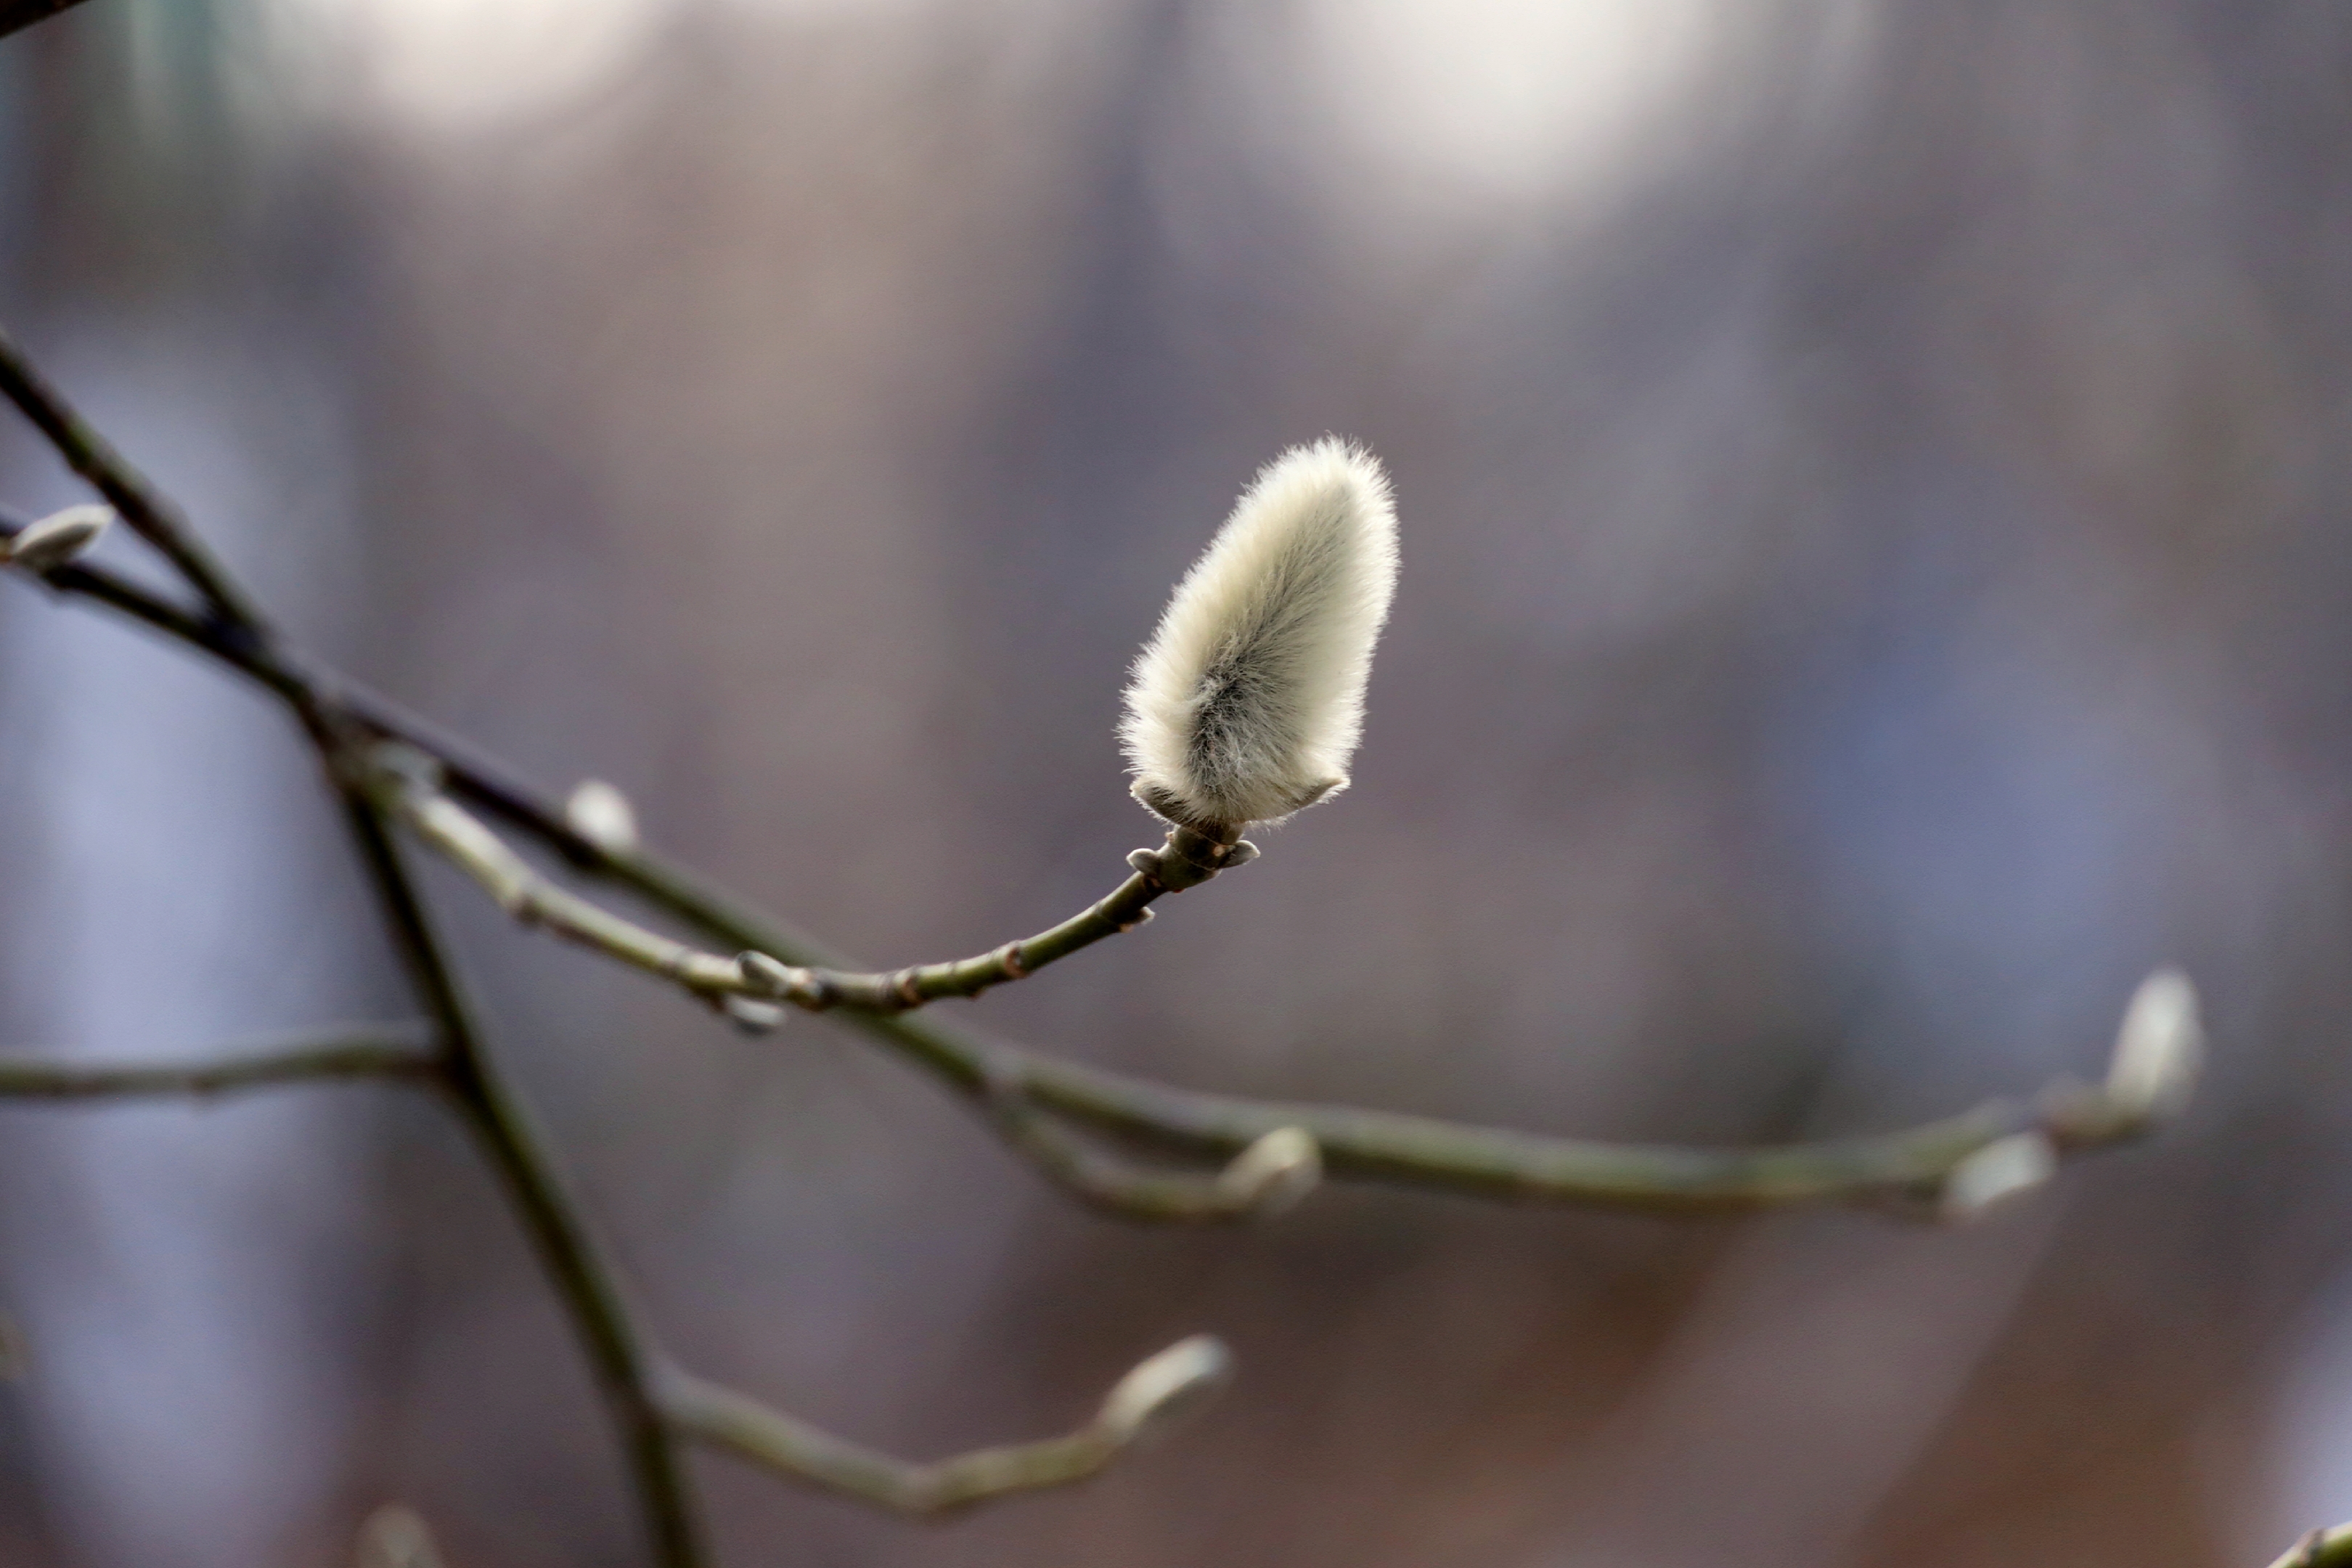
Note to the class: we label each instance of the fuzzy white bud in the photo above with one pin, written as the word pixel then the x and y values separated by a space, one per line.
pixel 1248 700
pixel 58 539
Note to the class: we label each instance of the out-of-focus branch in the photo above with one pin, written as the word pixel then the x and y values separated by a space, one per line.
pixel 2320 1549
pixel 1143 1402
pixel 396 1051
pixel 150 515
pixel 18 14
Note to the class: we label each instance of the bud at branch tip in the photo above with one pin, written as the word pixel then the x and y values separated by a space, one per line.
pixel 2160 1049
pixel 57 539
pixel 601 814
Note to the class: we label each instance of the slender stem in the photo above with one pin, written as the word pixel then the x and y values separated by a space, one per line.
pixel 364 1051
pixel 624 1367
pixel 150 515
pixel 413 795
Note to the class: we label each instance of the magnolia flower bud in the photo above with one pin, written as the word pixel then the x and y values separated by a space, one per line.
pixel 56 540
pixel 1247 703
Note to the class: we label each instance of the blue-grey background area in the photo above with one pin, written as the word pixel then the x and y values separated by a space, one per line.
pixel 1876 583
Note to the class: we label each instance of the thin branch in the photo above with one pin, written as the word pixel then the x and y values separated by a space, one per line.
pixel 1405 1150
pixel 394 1051
pixel 408 786
pixel 1355 1144
pixel 1143 1403
pixel 235 632
pixel 617 1353
pixel 2320 1549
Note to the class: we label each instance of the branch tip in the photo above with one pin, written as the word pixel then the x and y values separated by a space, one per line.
pixel 1274 1174
pixel 1165 1388
pixel 57 539
pixel 2159 1050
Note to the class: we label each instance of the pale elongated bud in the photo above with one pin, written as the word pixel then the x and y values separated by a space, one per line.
pixel 601 814
pixel 2159 1050
pixel 56 538
pixel 1247 703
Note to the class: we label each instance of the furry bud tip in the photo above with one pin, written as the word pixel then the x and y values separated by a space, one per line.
pixel 1247 703
pixel 57 539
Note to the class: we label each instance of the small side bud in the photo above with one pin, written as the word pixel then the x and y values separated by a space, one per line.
pixel 1274 1174
pixel 395 1536
pixel 58 539
pixel 2159 1050
pixel 601 814
pixel 752 1017
pixel 1168 1386
pixel 2003 1169
pixel 766 977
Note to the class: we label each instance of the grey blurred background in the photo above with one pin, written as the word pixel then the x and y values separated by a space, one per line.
pixel 1876 583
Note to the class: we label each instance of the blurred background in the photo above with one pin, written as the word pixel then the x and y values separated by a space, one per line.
pixel 1876 584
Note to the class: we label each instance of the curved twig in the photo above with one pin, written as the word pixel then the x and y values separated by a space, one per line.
pixel 1144 1402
